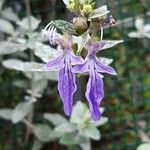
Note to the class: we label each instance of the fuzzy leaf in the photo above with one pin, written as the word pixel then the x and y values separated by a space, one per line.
pixel 65 128
pixel 69 139
pixel 79 113
pixel 6 113
pixel 39 86
pixel 99 12
pixel 105 61
pixel 25 23
pixel 55 119
pixel 9 47
pixel 144 146
pixel 101 122
pixel 86 145
pixel 64 26
pixel 42 132
pixel 111 43
pixel 1 4
pixel 53 75
pixel 66 2
pixel 6 27
pixel 9 14
pixel 91 132
pixel 43 51
pixel 23 66
pixel 21 110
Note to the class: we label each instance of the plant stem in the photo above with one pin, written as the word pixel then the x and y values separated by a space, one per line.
pixel 31 114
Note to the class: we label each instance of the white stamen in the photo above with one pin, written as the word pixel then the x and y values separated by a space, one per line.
pixel 102 33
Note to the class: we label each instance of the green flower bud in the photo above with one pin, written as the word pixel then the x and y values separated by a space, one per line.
pixel 72 6
pixel 87 10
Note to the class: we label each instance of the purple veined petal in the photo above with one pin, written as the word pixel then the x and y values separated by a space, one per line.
pixel 56 63
pixel 94 94
pixel 66 88
pixel 75 60
pixel 104 68
pixel 94 47
pixel 82 68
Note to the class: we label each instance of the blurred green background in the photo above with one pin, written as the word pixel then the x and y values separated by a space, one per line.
pixel 127 96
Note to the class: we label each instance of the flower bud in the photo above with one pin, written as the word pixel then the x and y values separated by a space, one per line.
pixel 87 10
pixel 72 6
pixel 80 25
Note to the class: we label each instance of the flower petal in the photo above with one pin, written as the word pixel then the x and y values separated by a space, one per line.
pixel 66 88
pixel 94 47
pixel 94 94
pixel 80 68
pixel 56 63
pixel 104 68
pixel 76 59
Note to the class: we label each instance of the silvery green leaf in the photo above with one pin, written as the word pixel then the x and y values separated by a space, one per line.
pixel 105 61
pixel 64 26
pixel 55 119
pixel 6 113
pixel 21 111
pixel 9 14
pixel 39 85
pixel 25 23
pixel 1 4
pixel 139 23
pixel 134 34
pixel 111 43
pixel 37 145
pixel 99 12
pixel 69 139
pixel 6 27
pixel 91 132
pixel 79 113
pixel 43 51
pixel 42 132
pixel 52 75
pixel 66 2
pixel 9 47
pixel 20 84
pixel 65 128
pixel 101 122
pixel 86 145
pixel 23 66
pixel 144 146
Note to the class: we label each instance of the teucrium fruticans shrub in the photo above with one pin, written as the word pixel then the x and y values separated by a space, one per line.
pixel 78 52
pixel 77 48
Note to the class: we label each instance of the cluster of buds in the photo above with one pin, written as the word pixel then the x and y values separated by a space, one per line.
pixel 69 62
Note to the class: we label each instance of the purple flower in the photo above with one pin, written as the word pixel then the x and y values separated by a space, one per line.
pixel 94 91
pixel 109 20
pixel 63 63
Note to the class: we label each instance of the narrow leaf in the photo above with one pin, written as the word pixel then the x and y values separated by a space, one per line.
pixel 55 119
pixel 21 110
pixel 91 132
pixel 9 14
pixel 23 66
pixel 42 132
pixel 6 113
pixel 9 47
pixel 64 26
pixel 25 23
pixel 111 43
pixel 6 27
